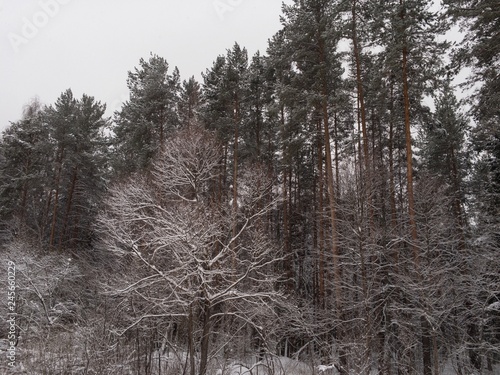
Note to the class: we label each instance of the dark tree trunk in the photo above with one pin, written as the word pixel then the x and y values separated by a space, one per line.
pixel 205 339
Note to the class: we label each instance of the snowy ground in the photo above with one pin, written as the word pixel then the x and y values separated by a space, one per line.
pixel 286 366
pixel 173 363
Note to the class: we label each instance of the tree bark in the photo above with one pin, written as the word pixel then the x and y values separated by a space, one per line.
pixel 205 338
pixel 409 154
pixel 68 205
pixel 331 197
pixel 359 83
pixel 56 198
pixel 191 342
pixel 392 186
pixel 321 235
pixel 235 177
pixel 425 338
pixel 286 218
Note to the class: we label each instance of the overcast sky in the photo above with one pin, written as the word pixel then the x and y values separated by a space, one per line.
pixel 48 46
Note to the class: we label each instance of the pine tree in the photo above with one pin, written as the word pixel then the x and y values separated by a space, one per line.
pixel 79 163
pixel 90 171
pixel 63 152
pixel 280 108
pixel 311 34
pixel 407 67
pixel 480 21
pixel 479 50
pixel 189 102
pixel 145 120
pixel 444 148
pixel 237 63
pixel 62 120
pixel 25 155
pixel 215 112
pixel 255 130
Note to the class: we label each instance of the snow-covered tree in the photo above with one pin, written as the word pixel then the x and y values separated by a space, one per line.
pixel 183 261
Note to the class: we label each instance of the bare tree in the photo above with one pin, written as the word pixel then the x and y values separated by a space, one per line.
pixel 183 260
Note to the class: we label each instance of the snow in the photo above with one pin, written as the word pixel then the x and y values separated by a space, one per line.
pixel 235 370
pixel 495 306
pixel 172 362
pixel 323 368
pixel 287 366
pixel 269 365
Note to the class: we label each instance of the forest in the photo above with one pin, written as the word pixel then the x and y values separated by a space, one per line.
pixel 329 207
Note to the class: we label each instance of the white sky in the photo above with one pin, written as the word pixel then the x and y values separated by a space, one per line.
pixel 48 46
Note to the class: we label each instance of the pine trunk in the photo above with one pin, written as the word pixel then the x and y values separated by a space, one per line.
pixel 331 198
pixel 409 161
pixel 425 335
pixel 321 235
pixel 24 194
pixel 333 226
pixel 56 198
pixel 68 206
pixel 392 186
pixel 235 179
pixel 359 83
pixel 286 218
